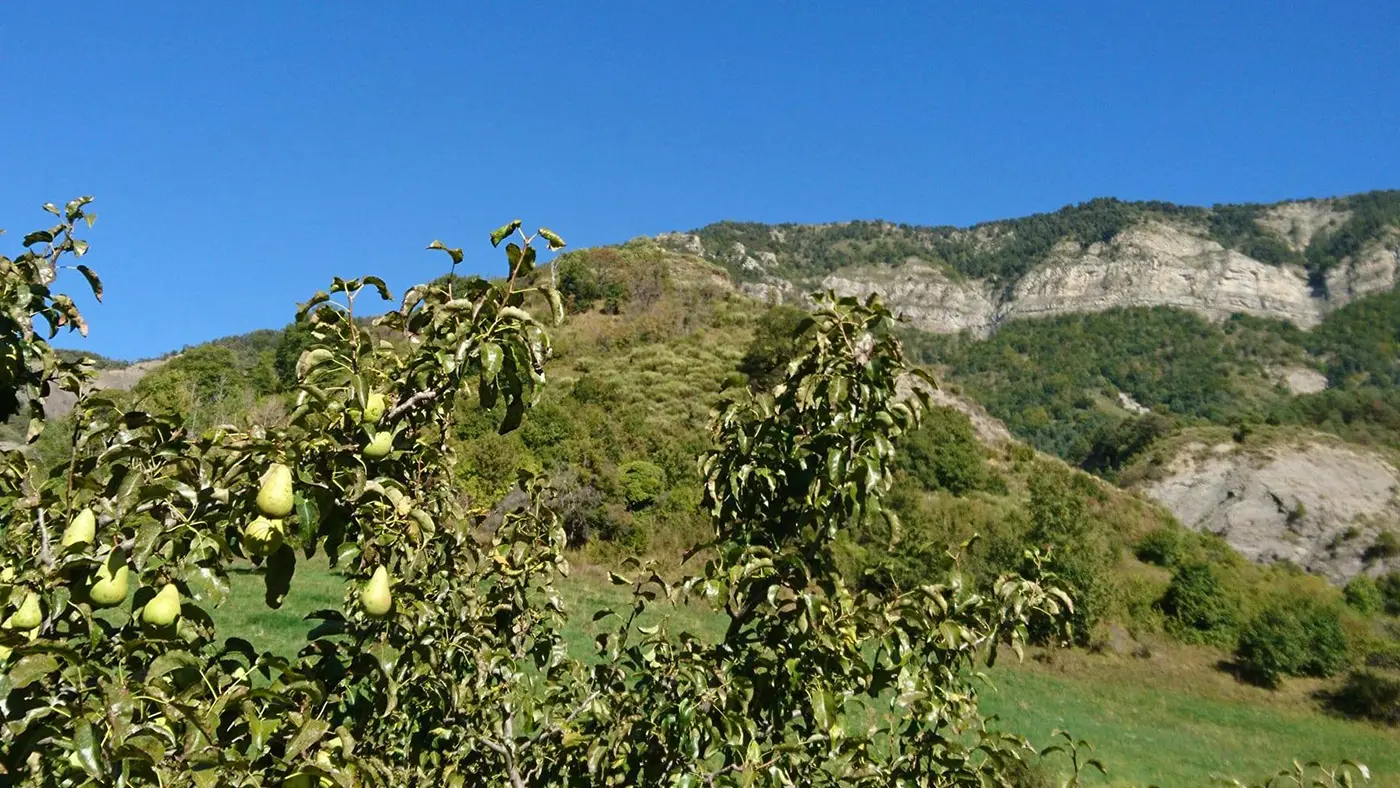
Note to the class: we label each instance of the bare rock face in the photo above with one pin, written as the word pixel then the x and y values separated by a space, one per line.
pixel 925 295
pixel 1298 380
pixel 988 428
pixel 1152 264
pixel 1298 222
pixel 59 403
pixel 1159 265
pixel 1316 503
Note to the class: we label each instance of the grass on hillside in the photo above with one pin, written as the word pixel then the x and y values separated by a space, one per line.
pixel 1170 721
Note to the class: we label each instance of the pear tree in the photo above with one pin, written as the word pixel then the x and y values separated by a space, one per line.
pixel 446 660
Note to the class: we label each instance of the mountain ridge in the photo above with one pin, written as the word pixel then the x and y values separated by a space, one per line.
pixel 1296 260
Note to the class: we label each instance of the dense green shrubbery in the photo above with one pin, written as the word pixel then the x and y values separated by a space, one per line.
pixel 1389 585
pixel 1198 607
pixel 1297 636
pixel 1165 546
pixel 642 483
pixel 944 453
pixel 1080 554
pixel 1363 595
pixel 773 345
pixel 1055 381
pixel 1369 694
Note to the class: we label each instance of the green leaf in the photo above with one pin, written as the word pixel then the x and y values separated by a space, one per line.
pixel 500 233
pixel 281 565
pixel 30 668
pixel 311 732
pixel 85 745
pixel 38 237
pixel 491 359
pixel 555 242
pixel 456 254
pixel 526 264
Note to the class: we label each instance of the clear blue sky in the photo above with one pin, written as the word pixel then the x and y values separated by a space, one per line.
pixel 243 153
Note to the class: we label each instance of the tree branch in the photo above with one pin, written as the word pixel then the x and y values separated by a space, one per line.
pixel 411 403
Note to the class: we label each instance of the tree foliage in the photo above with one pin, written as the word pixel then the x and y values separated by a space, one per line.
pixel 445 661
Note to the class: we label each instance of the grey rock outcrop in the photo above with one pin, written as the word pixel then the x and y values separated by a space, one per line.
pixel 1146 265
pixel 1317 503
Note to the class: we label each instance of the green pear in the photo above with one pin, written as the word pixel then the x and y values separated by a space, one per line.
pixel 379 446
pixel 263 536
pixel 164 607
pixel 375 597
pixel 110 588
pixel 81 530
pixel 275 494
pixel 374 409
pixel 402 503
pixel 28 616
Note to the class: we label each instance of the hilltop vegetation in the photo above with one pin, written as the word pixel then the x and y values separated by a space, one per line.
pixel 1003 251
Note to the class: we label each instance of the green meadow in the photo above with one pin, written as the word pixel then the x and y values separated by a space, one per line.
pixel 1168 721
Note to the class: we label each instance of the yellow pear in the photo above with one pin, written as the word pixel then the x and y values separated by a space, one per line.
pixel 379 446
pixel 164 607
pixel 275 494
pixel 28 616
pixel 81 530
pixel 374 409
pixel 110 588
pixel 375 597
pixel 263 536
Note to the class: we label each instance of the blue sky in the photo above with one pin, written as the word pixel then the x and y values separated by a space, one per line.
pixel 243 153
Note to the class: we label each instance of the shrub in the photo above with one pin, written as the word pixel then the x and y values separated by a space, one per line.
pixel 1363 595
pixel 944 453
pixel 1369 694
pixel 1294 637
pixel 642 483
pixel 1197 607
pixel 1080 556
pixel 774 344
pixel 1389 585
pixel 1163 546
pixel 1387 545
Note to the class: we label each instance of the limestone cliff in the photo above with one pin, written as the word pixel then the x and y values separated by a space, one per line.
pixel 1311 500
pixel 1153 257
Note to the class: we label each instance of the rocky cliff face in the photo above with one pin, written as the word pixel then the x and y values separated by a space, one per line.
pixel 1157 261
pixel 1318 503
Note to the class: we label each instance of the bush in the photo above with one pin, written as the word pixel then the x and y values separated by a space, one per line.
pixel 1080 556
pixel 1387 545
pixel 642 483
pixel 1363 595
pixel 1368 694
pixel 1389 585
pixel 944 453
pixel 1294 637
pixel 773 345
pixel 1164 546
pixel 1197 607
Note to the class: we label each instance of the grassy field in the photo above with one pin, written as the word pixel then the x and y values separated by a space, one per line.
pixel 1169 721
